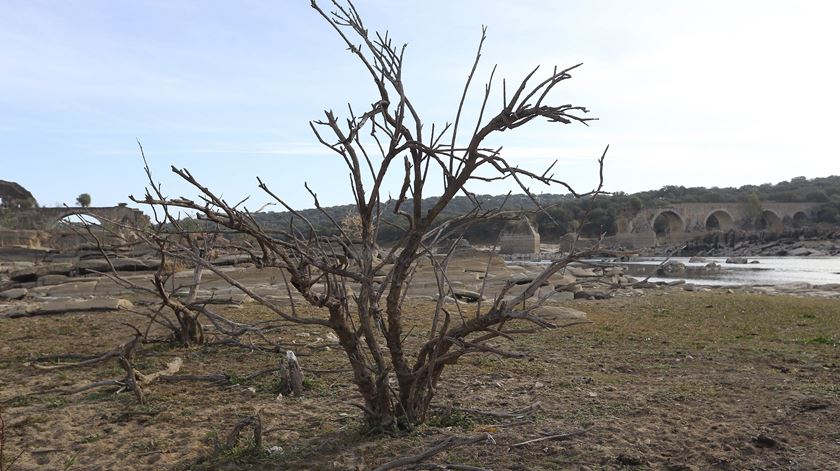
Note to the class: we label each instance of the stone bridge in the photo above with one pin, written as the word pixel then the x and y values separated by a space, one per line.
pixel 680 222
pixel 111 218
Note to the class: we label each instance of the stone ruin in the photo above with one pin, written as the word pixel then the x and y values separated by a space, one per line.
pixel 519 237
pixel 14 196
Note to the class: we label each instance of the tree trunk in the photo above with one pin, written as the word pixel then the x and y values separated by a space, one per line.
pixel 189 329
pixel 291 376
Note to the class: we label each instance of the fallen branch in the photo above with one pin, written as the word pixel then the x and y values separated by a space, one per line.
pixel 454 467
pixel 517 414
pixel 172 367
pixel 230 443
pixel 220 378
pixel 559 436
pixel 440 446
pixel 98 384
pixel 101 358
pixel 3 466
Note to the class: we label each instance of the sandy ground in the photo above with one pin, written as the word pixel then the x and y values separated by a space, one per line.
pixel 672 380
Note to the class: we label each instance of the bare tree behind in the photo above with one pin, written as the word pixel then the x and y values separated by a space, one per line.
pixel 341 275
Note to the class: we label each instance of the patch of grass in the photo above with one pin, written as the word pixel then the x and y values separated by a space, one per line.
pixel 821 341
pixel 20 400
pixel 243 456
pixel 55 402
pixel 452 418
pixel 98 396
pixel 145 446
pixel 70 461
pixel 92 438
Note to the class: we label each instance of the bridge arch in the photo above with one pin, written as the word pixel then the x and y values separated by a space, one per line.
pixel 800 219
pixel 719 220
pixel 112 218
pixel 80 218
pixel 667 221
pixel 770 221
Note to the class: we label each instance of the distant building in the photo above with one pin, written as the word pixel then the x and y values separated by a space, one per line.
pixel 519 237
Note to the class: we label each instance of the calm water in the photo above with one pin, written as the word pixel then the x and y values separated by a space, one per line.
pixel 769 270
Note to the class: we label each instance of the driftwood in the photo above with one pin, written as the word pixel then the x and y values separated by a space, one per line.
pixel 557 436
pixel 453 467
pixel 218 378
pixel 440 446
pixel 172 367
pixel 517 414
pixel 3 465
pixel 115 353
pixel 233 437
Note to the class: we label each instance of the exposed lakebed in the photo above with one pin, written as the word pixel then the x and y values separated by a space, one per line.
pixel 767 270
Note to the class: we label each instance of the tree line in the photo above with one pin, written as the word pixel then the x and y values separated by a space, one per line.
pixel 592 216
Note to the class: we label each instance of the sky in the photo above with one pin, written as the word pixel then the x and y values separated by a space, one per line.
pixel 712 93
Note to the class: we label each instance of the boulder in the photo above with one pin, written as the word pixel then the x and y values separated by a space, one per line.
pixel 671 268
pixel 233 259
pixel 562 296
pixel 48 280
pixel 696 260
pixel 562 279
pixel 466 295
pixel 526 280
pixel 592 295
pixel 14 293
pixel 68 306
pixel 613 271
pixel 69 290
pixel 582 272
pixel 6 267
pixel 559 313
pixel 571 287
pixel 100 265
pixel 795 286
pixel 35 272
pixel 799 252
pixel 737 260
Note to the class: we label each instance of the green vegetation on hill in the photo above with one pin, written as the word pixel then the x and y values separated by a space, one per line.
pixel 565 213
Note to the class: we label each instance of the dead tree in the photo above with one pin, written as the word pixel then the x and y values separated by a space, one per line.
pixel 177 306
pixel 338 275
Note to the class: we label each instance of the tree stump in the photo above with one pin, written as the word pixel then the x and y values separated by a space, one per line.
pixel 291 376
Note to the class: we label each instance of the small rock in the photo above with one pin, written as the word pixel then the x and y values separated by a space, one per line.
pixel 628 460
pixel 581 272
pixel 671 268
pixel 763 441
pixel 466 295
pixel 592 295
pixel 737 260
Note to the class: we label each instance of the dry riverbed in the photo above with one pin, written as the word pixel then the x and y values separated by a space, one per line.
pixel 669 380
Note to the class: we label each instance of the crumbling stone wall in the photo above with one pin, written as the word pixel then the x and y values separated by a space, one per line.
pixel 519 237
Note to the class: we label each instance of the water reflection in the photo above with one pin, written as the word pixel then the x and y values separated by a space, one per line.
pixel 768 270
